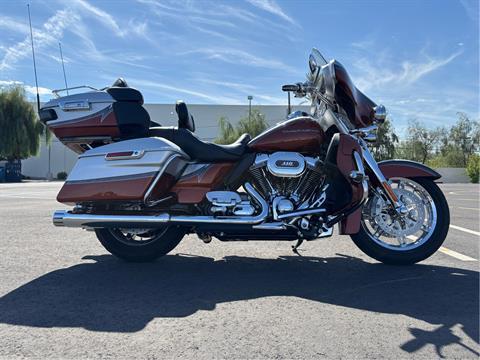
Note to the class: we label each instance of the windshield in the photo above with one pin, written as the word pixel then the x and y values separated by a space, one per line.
pixel 315 62
pixel 333 84
pixel 318 57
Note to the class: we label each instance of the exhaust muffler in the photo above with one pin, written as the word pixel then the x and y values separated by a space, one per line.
pixel 92 221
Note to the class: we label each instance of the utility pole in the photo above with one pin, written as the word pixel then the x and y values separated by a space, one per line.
pixel 250 97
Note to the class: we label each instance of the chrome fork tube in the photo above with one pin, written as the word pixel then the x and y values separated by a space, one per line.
pixel 372 164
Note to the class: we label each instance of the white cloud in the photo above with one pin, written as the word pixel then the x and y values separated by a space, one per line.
pixel 382 74
pixel 100 15
pixel 234 56
pixel 272 7
pixel 246 89
pixel 28 88
pixel 216 99
pixel 9 83
pixel 41 90
pixel 138 28
pixel 231 85
pixel 471 9
pixel 51 31
pixel 68 19
pixel 13 25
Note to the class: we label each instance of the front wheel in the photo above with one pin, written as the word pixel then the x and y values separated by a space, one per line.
pixel 140 245
pixel 404 239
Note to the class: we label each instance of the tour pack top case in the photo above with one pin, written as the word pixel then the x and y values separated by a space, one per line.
pixel 95 118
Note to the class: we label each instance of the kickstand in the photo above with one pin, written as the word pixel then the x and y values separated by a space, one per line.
pixel 296 246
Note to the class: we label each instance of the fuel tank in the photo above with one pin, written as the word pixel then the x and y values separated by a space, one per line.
pixel 302 134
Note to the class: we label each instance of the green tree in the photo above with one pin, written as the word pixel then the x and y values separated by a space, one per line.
pixel 461 141
pixel 473 168
pixel 253 125
pixel 421 142
pixel 20 131
pixel 384 146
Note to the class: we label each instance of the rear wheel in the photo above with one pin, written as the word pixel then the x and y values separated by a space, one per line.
pixel 140 245
pixel 404 239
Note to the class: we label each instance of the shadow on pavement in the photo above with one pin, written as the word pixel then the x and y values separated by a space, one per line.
pixel 109 295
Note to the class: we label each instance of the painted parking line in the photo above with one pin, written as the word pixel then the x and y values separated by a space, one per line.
pixel 467 208
pixel 449 252
pixel 455 254
pixel 465 230
pixel 29 197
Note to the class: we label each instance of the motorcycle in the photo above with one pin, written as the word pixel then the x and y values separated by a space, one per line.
pixel 142 187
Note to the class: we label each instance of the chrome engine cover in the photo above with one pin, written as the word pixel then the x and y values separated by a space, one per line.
pixel 224 198
pixel 286 164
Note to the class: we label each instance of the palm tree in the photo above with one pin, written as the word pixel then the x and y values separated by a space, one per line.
pixel 20 130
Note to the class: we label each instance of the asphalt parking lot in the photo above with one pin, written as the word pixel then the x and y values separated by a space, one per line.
pixel 63 296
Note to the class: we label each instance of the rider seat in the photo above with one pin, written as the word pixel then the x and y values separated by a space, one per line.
pixel 202 150
pixel 197 149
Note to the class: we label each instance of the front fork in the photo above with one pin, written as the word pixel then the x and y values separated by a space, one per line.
pixel 385 185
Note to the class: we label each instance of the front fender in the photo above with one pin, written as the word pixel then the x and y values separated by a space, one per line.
pixel 407 169
pixel 390 168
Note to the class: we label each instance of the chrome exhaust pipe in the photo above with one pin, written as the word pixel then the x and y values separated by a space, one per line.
pixel 91 221
pixel 65 218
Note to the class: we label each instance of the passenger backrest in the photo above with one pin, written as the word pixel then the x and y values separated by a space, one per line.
pixel 185 119
pixel 132 118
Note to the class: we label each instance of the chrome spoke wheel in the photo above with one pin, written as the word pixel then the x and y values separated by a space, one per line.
pixel 400 232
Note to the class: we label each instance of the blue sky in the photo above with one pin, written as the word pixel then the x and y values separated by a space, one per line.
pixel 419 58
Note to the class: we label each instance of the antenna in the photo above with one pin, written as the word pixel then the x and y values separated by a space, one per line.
pixel 63 66
pixel 33 55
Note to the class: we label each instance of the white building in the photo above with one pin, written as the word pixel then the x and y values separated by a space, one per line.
pixel 206 121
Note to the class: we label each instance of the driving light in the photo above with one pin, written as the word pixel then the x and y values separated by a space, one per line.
pixel 380 113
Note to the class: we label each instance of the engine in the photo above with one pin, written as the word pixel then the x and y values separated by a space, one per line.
pixel 288 181
pixel 292 185
pixel 288 175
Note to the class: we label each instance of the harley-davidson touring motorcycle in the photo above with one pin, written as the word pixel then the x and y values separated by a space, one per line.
pixel 142 188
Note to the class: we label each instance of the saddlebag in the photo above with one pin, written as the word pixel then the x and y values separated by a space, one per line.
pixel 138 170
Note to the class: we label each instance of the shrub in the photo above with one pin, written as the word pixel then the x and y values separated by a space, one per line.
pixel 473 168
pixel 253 125
pixel 62 175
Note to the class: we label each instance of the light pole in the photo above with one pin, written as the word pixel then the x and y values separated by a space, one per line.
pixel 250 97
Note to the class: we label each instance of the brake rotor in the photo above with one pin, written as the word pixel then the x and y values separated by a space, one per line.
pixel 399 225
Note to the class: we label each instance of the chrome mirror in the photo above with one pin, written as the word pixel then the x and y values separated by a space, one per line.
pixel 380 113
pixel 312 64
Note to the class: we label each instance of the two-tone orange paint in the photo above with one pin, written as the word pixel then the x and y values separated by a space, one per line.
pixel 302 135
pixel 100 124
pixel 191 189
pixel 131 188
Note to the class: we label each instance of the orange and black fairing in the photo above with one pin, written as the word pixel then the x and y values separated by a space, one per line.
pixel 345 193
pixel 357 105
